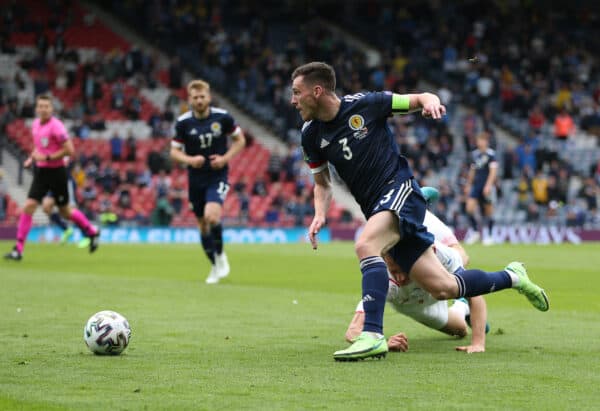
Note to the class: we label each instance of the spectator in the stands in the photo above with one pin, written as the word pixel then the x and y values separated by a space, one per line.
pixel 539 187
pixel 564 125
pixel 108 179
pixel 131 146
pixel 78 174
pixel 107 215
pixel 124 196
pixel 299 207
pixel 260 187
pixel 275 165
pixel 143 177
pixel 575 214
pixel 241 185
pixel 133 108
pixel 89 192
pixel 536 119
pixel 116 147
pixel 91 87
pixel 163 212
pixel 178 194
pixel 485 87
pixel 3 196
pixel 554 194
pixel 589 192
pixel 162 184
pixel 525 156
pixel 129 176
pixel 117 96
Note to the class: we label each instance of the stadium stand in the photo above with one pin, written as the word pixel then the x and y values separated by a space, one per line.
pixel 100 79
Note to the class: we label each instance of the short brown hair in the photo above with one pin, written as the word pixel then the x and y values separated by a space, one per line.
pixel 43 97
pixel 198 85
pixel 317 72
pixel 484 135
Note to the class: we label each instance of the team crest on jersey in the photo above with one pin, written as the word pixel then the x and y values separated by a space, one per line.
pixel 481 161
pixel 216 128
pixel 357 123
pixel 44 141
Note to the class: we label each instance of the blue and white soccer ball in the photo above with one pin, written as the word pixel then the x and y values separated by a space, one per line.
pixel 107 333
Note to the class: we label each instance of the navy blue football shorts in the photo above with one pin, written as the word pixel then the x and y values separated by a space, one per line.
pixel 406 201
pixel 213 192
pixel 477 193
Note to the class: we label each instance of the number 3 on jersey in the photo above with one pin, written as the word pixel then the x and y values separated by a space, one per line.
pixel 346 149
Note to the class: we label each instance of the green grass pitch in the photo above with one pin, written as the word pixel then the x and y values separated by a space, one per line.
pixel 264 337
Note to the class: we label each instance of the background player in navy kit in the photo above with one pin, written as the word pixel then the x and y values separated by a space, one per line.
pixel 480 188
pixel 200 141
pixel 352 134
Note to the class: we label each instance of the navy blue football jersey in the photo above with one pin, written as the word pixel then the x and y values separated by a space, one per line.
pixel 360 145
pixel 204 136
pixel 481 162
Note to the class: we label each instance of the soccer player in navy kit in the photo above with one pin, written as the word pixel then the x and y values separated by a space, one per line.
pixel 352 134
pixel 480 188
pixel 200 141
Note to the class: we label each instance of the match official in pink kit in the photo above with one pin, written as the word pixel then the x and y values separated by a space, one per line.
pixel 52 147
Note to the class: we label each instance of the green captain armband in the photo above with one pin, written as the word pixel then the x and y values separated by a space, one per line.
pixel 400 103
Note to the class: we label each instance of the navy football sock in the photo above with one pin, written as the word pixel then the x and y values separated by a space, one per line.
pixel 472 283
pixel 57 219
pixel 217 236
pixel 374 292
pixel 490 224
pixel 473 222
pixel 209 248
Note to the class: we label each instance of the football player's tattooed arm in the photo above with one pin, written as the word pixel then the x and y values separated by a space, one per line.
pixel 323 194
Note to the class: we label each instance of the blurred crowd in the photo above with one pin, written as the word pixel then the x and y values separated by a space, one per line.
pixel 510 64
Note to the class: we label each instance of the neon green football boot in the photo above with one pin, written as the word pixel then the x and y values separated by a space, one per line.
pixel 366 345
pixel 536 295
pixel 84 242
pixel 66 235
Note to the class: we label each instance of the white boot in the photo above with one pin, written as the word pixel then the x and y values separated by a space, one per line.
pixel 222 265
pixel 213 276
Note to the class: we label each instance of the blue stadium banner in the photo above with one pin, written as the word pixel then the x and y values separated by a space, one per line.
pixel 166 235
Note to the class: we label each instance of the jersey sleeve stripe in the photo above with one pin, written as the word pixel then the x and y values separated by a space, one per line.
pixel 236 131
pixel 176 144
pixel 317 167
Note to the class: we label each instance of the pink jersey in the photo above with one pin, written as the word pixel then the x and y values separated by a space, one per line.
pixel 48 138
